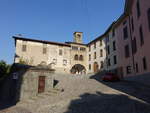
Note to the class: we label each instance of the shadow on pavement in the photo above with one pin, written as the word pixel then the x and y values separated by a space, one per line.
pixel 130 87
pixel 106 103
pixel 10 88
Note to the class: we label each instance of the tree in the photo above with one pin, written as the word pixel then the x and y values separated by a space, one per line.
pixel 4 68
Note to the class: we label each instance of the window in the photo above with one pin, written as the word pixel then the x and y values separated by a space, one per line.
pixel 128 69
pixel 141 35
pixel 115 59
pixel 107 38
pixel 76 57
pixel 134 46
pixel 102 64
pixel 94 45
pixel 137 68
pixel 108 63
pixel 60 52
pixel 113 32
pixel 125 32
pixel 82 49
pixel 138 9
pixel 74 48
pixel 101 42
pixel 101 53
pixel 124 22
pixel 81 58
pixel 127 52
pixel 132 24
pixel 78 35
pixel 44 48
pixel 148 14
pixel 89 48
pixel 114 45
pixel 89 66
pixel 64 62
pixel 24 48
pixel 144 64
pixel 108 50
pixel 89 57
pixel 94 55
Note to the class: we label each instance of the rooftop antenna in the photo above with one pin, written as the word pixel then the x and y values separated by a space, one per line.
pixel 20 35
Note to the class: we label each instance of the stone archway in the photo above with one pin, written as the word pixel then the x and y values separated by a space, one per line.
pixel 95 67
pixel 78 69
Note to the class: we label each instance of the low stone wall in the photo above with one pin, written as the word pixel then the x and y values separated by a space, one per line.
pixel 28 81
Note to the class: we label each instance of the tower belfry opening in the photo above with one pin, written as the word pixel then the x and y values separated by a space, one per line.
pixel 78 37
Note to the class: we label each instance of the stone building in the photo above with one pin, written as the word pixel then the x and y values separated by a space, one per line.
pixel 63 57
pixel 97 54
pixel 31 81
pixel 133 31
pixel 111 48
pixel 123 48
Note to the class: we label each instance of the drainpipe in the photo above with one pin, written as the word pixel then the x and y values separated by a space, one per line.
pixel 132 55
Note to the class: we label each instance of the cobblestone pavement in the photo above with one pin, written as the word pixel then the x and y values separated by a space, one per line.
pixel 84 95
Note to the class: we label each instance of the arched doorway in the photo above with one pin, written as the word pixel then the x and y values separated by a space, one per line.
pixel 78 69
pixel 95 67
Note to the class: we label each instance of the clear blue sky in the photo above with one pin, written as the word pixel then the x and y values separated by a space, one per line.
pixel 54 20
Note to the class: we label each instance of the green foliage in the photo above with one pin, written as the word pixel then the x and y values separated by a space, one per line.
pixel 26 61
pixel 22 61
pixel 4 69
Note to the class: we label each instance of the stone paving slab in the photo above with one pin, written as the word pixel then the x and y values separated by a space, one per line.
pixel 84 95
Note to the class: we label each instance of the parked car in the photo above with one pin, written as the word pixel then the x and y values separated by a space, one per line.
pixel 110 77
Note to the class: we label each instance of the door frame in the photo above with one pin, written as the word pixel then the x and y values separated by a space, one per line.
pixel 95 67
pixel 41 84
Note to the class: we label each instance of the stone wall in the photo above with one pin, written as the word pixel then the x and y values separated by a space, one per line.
pixel 28 81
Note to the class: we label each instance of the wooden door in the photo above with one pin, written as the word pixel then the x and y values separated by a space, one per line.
pixel 41 87
pixel 95 67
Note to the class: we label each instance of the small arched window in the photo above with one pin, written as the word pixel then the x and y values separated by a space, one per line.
pixel 81 58
pixel 102 64
pixel 76 57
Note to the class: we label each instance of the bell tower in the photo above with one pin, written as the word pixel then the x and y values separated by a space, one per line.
pixel 78 37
